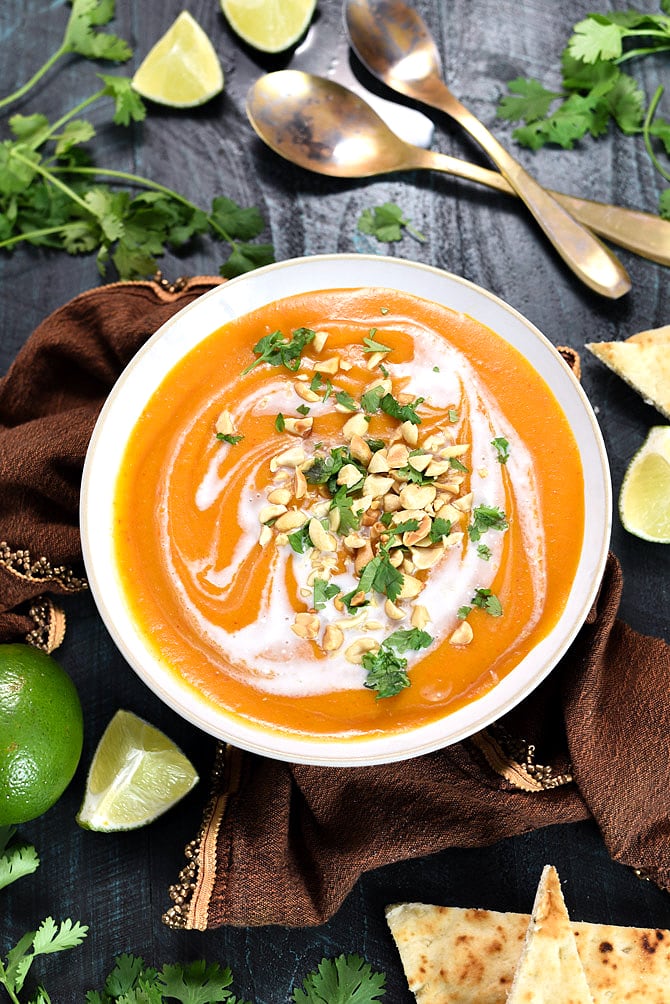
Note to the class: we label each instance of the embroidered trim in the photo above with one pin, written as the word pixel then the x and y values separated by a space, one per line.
pixel 192 893
pixel 514 759
pixel 49 629
pixel 171 287
pixel 20 563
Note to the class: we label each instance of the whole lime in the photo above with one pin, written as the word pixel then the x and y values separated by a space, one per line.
pixel 41 732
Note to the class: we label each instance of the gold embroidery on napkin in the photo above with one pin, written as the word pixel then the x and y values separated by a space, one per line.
pixel 49 621
pixel 21 564
pixel 514 759
pixel 192 893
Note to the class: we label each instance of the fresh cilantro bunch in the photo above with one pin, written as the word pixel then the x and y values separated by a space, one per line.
pixel 386 668
pixel 348 979
pixel 133 982
pixel 52 195
pixel 596 91
pixel 16 861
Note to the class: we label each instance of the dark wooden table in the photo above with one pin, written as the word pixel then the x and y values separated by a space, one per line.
pixel 118 884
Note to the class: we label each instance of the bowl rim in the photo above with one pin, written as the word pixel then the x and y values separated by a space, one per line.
pixel 241 295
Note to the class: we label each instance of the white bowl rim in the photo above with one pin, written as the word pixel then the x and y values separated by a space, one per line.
pixel 241 295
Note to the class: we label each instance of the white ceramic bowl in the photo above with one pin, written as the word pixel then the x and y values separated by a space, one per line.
pixel 249 292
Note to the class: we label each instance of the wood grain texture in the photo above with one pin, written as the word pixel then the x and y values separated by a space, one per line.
pixel 118 883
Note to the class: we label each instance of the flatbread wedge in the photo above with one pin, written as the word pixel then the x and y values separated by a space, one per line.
pixel 452 955
pixel 549 970
pixel 643 361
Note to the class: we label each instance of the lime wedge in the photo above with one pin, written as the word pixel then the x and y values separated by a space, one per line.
pixel 137 774
pixel 644 502
pixel 269 25
pixel 182 70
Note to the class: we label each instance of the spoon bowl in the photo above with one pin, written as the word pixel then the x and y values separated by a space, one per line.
pixel 395 45
pixel 323 127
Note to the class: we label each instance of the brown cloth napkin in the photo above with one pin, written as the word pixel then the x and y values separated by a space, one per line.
pixel 283 843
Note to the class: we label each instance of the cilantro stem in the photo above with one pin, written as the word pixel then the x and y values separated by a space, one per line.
pixel 69 115
pixel 50 176
pixel 633 53
pixel 651 111
pixel 30 234
pixel 35 77
pixel 138 179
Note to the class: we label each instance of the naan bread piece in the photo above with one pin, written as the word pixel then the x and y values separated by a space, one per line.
pixel 643 361
pixel 456 956
pixel 549 970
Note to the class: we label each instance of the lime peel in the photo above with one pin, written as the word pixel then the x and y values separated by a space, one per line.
pixel 269 25
pixel 136 775
pixel 644 501
pixel 182 70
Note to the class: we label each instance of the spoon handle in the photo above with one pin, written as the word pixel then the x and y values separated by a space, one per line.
pixel 643 233
pixel 579 248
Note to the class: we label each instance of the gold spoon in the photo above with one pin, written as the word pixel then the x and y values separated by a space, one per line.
pixel 393 42
pixel 324 127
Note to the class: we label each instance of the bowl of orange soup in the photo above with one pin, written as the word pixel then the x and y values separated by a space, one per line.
pixel 345 510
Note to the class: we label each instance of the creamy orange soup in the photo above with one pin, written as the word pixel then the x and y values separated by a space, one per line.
pixel 349 513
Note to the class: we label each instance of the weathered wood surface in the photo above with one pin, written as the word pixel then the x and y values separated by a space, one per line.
pixel 118 884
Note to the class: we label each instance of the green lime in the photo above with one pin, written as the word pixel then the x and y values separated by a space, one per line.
pixel 182 70
pixel 269 25
pixel 137 773
pixel 41 732
pixel 644 502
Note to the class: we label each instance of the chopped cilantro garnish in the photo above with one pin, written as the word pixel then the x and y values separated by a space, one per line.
pixel 346 400
pixel 276 350
pixel 383 310
pixel 453 415
pixel 385 668
pixel 485 517
pixel 403 412
pixel 379 574
pixel 486 600
pixel 436 369
pixel 458 465
pixel 228 437
pixel 371 345
pixel 300 540
pixel 409 639
pixel 371 399
pixel 375 444
pixel 280 422
pixel 349 520
pixel 303 409
pixel 316 382
pixel 386 672
pixel 501 447
pixel 440 528
pixel 484 551
pixel 463 612
pixel 324 591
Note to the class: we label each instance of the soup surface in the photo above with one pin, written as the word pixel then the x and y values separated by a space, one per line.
pixel 348 513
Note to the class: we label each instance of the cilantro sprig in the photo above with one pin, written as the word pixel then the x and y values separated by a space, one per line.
pixel 486 517
pixel 277 350
pixel 596 91
pixel 347 979
pixel 386 668
pixel 52 195
pixel 386 223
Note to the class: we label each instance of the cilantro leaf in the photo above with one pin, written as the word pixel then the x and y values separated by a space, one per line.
pixel 196 983
pixel 408 639
pixel 485 518
pixel 501 446
pixel 228 437
pixel 80 36
pixel 439 528
pixel 371 399
pixel 484 552
pixel 245 258
pixel 276 350
pixel 348 519
pixel 17 861
pixel 379 574
pixel 595 38
pixel 373 346
pixel 128 105
pixel 346 400
pixel 348 979
pixel 237 222
pixel 324 591
pixel 532 103
pixel 486 600
pixel 300 539
pixel 403 412
pixel 386 222
pixel 386 672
